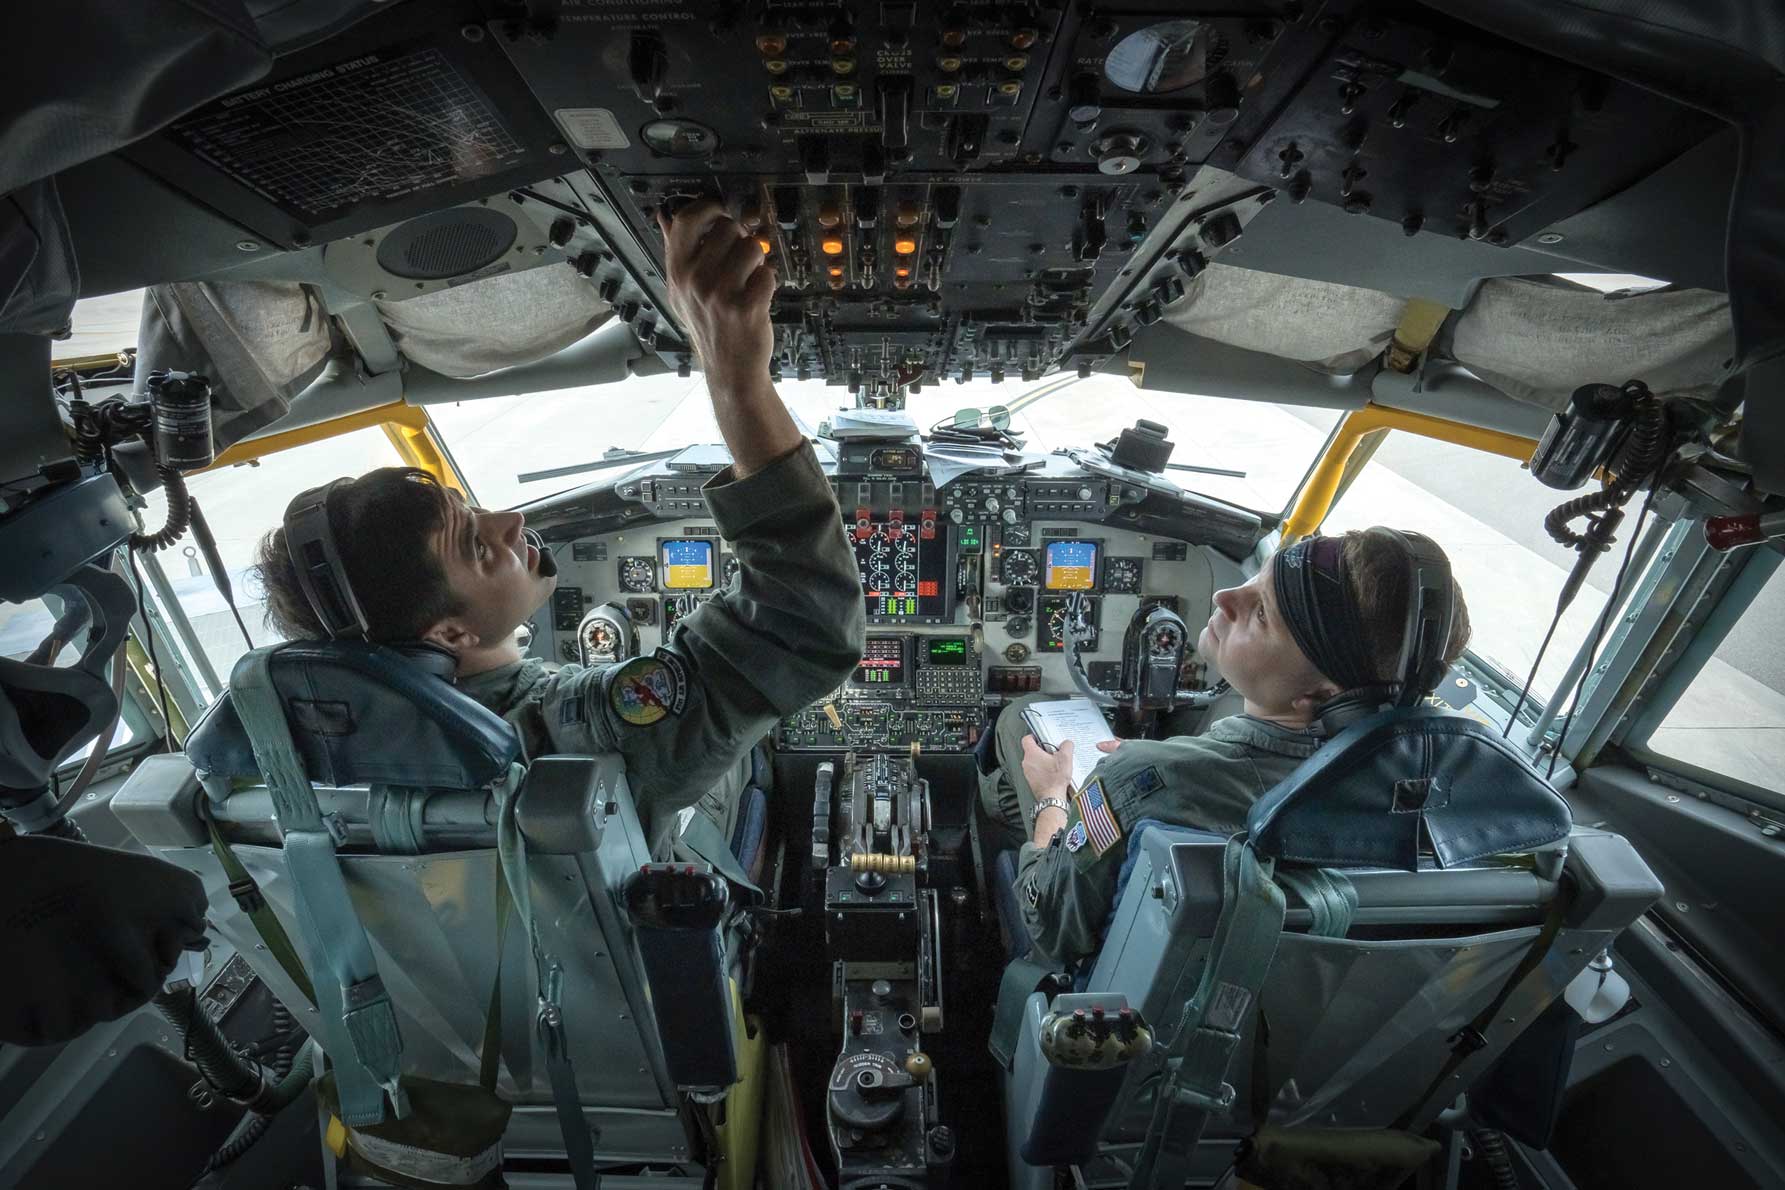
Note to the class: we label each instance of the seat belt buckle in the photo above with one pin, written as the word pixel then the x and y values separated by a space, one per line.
pixel 1218 1103
pixel 247 895
pixel 371 1023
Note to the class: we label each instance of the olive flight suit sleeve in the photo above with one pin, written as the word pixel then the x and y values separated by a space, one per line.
pixel 1067 889
pixel 787 632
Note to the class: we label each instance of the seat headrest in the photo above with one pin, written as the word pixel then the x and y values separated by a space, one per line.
pixel 365 714
pixel 1370 794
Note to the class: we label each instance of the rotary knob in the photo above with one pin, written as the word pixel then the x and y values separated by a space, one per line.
pixel 957 515
pixel 991 504
pixel 1010 517
pixel 1084 493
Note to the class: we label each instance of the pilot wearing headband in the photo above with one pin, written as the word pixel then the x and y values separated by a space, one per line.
pixel 1321 630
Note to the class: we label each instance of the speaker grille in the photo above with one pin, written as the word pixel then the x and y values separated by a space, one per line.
pixel 447 243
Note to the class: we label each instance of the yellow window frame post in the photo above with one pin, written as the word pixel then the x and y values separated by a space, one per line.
pixel 408 427
pixel 1322 487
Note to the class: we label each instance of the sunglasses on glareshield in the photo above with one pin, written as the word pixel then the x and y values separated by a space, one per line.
pixel 997 418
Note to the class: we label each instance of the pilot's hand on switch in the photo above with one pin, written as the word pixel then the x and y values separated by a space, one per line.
pixel 720 287
pixel 1049 773
pixel 89 934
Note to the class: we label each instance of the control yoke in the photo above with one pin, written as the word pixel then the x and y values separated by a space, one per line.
pixel 1153 651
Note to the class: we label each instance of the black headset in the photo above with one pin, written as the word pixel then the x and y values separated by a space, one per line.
pixel 311 543
pixel 1431 609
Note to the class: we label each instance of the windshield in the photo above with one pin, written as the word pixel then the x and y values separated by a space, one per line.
pixel 495 442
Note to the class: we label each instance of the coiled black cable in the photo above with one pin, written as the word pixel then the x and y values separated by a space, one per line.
pixel 1492 1147
pixel 179 513
pixel 284 1029
pixel 98 428
pixel 1637 461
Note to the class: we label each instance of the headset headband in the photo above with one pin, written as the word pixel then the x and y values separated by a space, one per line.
pixel 1431 608
pixel 311 543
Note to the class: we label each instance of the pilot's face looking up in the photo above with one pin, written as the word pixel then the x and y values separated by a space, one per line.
pixel 493 571
pixel 1249 645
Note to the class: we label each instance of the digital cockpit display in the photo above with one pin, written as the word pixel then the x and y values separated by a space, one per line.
pixel 904 574
pixel 1070 566
pixel 687 565
pixel 882 663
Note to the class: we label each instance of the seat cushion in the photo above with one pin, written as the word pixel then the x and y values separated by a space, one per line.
pixel 364 714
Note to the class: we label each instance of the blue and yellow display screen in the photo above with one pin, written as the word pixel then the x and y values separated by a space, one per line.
pixel 1070 566
pixel 687 565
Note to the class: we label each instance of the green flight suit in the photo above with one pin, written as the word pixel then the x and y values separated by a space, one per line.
pixel 1067 888
pixel 788 631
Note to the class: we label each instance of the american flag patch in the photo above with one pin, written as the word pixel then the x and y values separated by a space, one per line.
pixel 1094 812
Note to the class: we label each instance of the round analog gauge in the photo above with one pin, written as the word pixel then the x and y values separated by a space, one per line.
pixel 637 574
pixel 1019 568
pixel 602 641
pixel 679 138
pixel 1121 576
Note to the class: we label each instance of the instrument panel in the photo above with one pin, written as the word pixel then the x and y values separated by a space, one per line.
pixel 968 600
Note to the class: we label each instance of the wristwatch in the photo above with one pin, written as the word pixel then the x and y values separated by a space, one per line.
pixel 1048 803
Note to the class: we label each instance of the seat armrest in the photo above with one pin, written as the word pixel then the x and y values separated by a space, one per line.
pixel 159 803
pixel 564 803
pixel 1612 885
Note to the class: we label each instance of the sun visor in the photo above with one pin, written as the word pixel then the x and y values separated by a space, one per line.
pixel 39 277
pixel 1336 329
pixel 498 322
pixel 1537 340
pixel 259 342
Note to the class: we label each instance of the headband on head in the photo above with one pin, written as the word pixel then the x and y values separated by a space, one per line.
pixel 1314 598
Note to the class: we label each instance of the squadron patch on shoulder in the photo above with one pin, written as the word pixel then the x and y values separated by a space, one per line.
pixel 646 690
pixel 1102 830
pixel 1075 838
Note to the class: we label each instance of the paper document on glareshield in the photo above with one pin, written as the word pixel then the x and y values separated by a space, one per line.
pixel 1075 719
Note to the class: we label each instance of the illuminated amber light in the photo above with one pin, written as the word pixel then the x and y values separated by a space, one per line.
pixel 770 45
pixel 763 243
pixel 832 247
pixel 901 271
pixel 904 247
pixel 836 270
pixel 842 45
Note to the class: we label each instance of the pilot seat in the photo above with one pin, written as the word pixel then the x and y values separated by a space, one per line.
pixel 441 914
pixel 1309 996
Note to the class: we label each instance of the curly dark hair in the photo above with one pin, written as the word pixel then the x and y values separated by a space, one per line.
pixel 384 524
